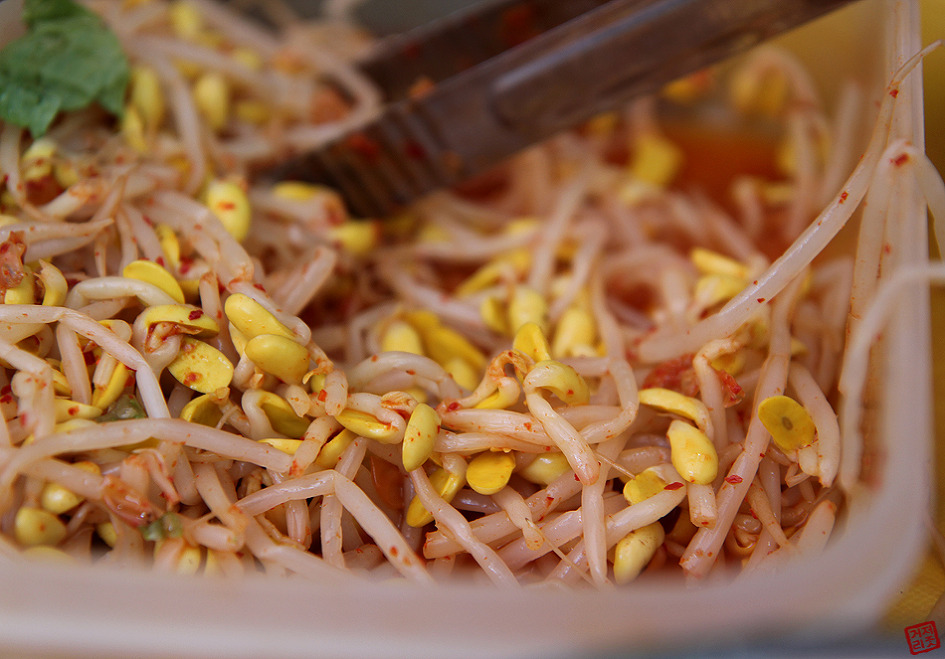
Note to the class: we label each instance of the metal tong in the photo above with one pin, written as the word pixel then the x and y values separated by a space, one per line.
pixel 467 91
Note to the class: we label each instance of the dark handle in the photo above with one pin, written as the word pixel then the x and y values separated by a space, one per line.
pixel 632 47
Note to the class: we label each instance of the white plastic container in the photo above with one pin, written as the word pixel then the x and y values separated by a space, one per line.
pixel 55 611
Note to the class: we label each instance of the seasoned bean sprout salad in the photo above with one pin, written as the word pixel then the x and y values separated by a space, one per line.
pixel 618 354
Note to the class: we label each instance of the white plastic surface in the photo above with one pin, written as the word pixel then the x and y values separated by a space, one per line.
pixel 56 611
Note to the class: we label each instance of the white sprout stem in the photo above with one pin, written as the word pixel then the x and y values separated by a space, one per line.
pixel 121 433
pixel 33 385
pixel 622 374
pixel 562 529
pixel 365 511
pixel 238 28
pixel 813 537
pixel 761 506
pixel 501 422
pixel 299 291
pixel 592 513
pixel 262 546
pixel 183 108
pixel 593 238
pixel 294 489
pixel 225 254
pixel 452 520
pixel 468 443
pixel 331 510
pixel 336 392
pixel 127 241
pixel 869 246
pixel 703 508
pixel 629 519
pixel 826 447
pixel 554 230
pixel 495 526
pixel 144 235
pixel 856 362
pixel 703 549
pixel 800 127
pixel 104 288
pixel 520 515
pixel 215 537
pixel 450 309
pixel 800 254
pixel 269 85
pixel 10 137
pixel 710 387
pixel 566 437
pixel 844 132
pixel 74 479
pixel 313 440
pixel 37 232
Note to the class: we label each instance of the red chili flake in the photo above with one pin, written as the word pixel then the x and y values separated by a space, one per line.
pixel 887 248
pixel 527 425
pixel 42 190
pixel 185 264
pixel 259 287
pixel 570 392
pixel 676 374
pixel 160 261
pixel 733 479
pixel 761 300
pixel 452 407
pixel 195 314
pixel 900 160
pixel 673 486
pixel 843 196
pixel 364 146
pixel 549 499
pixel 518 25
pixel 322 395
pixel 73 410
pixel 412 50
pixel 410 371
pixel 393 552
pixel 190 378
pixel 576 477
pixel 6 398
pixel 226 205
pixel 894 92
pixel 733 392
pixel 414 151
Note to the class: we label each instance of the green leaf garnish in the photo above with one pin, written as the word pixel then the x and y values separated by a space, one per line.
pixel 126 407
pixel 168 525
pixel 67 60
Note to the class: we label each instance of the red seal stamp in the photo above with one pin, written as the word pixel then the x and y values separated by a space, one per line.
pixel 922 637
